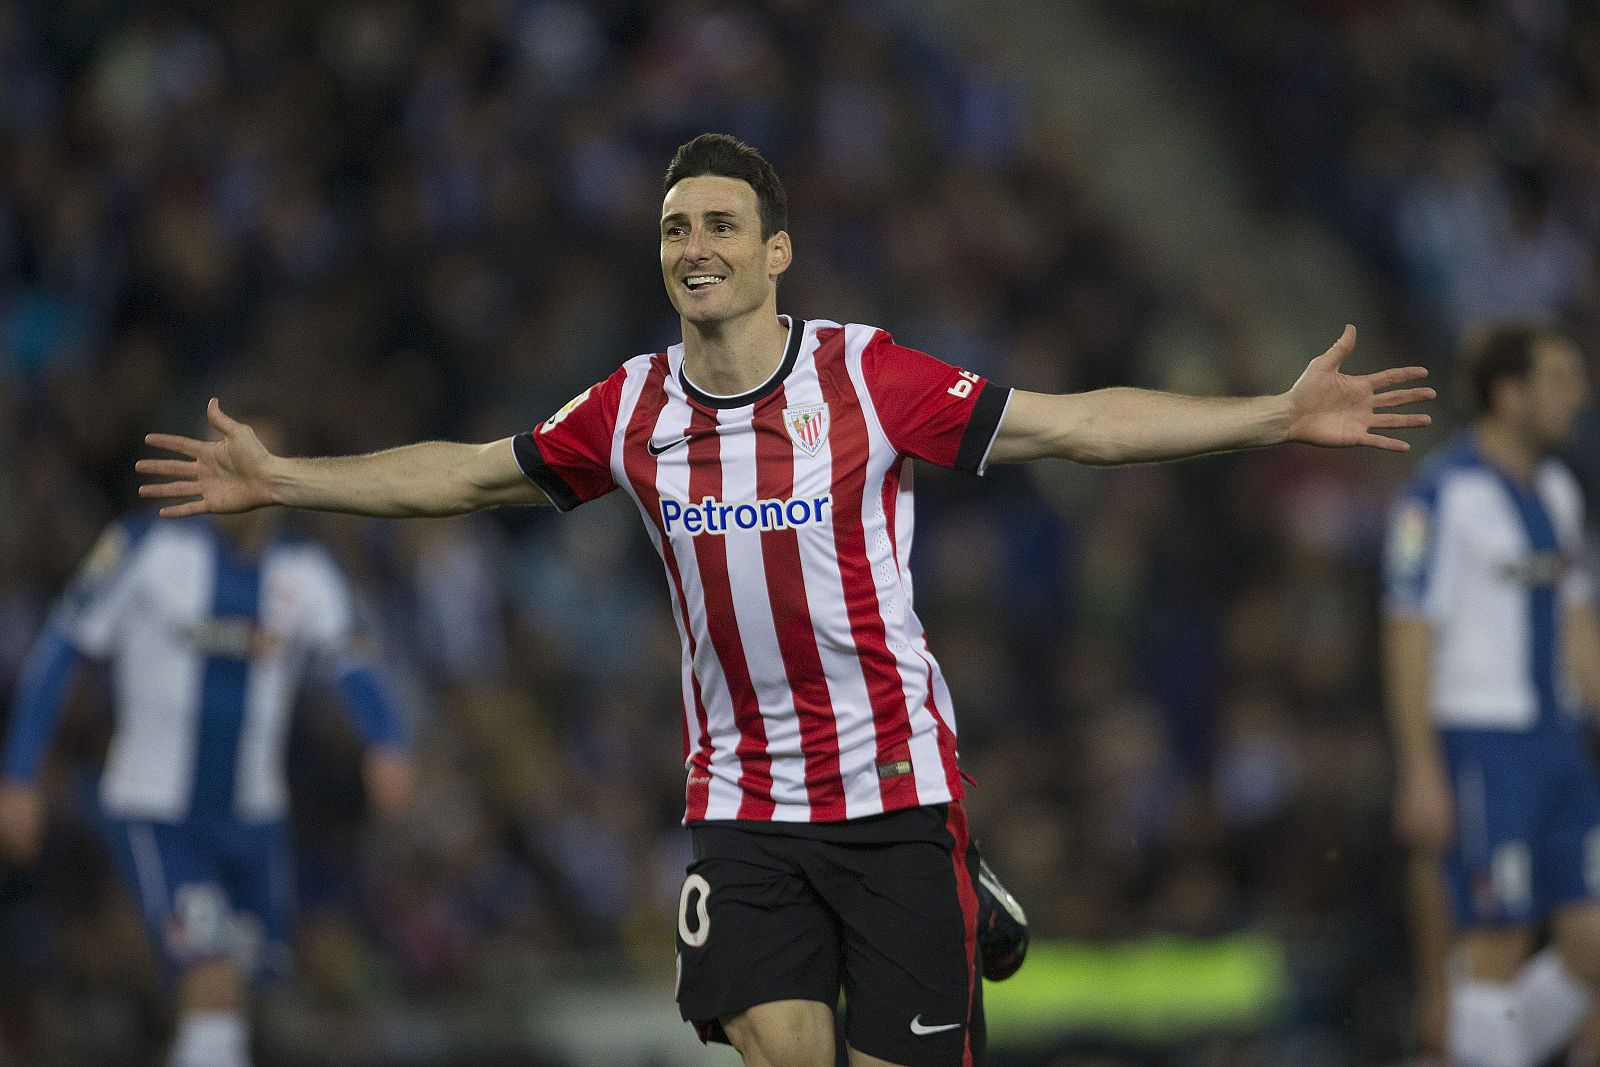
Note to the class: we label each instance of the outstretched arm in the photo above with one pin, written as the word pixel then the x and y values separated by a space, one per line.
pixel 237 473
pixel 1111 426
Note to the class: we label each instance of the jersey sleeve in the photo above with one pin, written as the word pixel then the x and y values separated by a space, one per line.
pixel 568 456
pixel 931 410
pixel 84 623
pixel 346 655
pixel 40 698
pixel 1577 581
pixel 1411 556
pixel 91 610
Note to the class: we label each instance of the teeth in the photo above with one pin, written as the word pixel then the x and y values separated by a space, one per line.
pixel 703 279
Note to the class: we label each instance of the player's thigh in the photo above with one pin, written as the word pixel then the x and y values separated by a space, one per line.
pixel 178 886
pixel 1495 954
pixel 751 931
pixel 259 869
pixel 1567 864
pixel 215 984
pixel 1575 931
pixel 913 994
pixel 783 1033
pixel 861 1059
pixel 1489 867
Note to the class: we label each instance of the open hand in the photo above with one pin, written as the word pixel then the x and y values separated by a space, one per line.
pixel 1336 410
pixel 390 780
pixel 226 475
pixel 21 821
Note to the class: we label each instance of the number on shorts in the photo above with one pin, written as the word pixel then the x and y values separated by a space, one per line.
pixel 204 920
pixel 700 889
pixel 1511 874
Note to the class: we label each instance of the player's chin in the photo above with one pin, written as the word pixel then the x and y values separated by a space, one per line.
pixel 703 311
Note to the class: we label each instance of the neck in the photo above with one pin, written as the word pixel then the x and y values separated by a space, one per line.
pixel 1507 449
pixel 736 356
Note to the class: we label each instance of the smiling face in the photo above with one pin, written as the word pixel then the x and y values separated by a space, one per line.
pixel 714 261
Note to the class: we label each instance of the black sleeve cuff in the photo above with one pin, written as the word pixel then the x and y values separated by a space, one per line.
pixel 981 429
pixel 539 473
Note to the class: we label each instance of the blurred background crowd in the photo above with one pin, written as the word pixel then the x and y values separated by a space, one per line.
pixel 409 220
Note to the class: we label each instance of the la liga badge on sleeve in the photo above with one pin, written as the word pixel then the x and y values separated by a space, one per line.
pixel 808 426
pixel 1408 548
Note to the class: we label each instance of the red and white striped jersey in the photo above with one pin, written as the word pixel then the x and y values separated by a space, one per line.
pixel 783 517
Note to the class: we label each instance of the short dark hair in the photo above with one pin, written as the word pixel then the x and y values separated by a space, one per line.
pixel 729 157
pixel 1504 350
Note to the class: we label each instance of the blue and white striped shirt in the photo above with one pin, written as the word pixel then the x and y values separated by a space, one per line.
pixel 206 649
pixel 1491 564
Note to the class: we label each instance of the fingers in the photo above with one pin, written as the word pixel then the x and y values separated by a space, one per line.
pixel 1395 398
pixel 167 442
pixel 1396 376
pixel 1342 347
pixel 1400 422
pixel 219 421
pixel 168 468
pixel 1388 444
pixel 182 511
pixel 160 490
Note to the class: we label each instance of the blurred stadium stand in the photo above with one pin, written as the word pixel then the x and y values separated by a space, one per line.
pixel 405 220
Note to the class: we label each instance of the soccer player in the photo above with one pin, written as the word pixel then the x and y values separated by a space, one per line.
pixel 207 625
pixel 768 458
pixel 1490 622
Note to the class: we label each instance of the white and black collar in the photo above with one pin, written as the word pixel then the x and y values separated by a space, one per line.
pixel 791 353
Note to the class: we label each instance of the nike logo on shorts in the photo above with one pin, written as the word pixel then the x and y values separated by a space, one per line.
pixel 921 1030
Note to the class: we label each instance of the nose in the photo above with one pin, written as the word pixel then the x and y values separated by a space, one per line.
pixel 694 245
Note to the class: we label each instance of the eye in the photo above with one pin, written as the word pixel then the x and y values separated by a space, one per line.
pixel 723 227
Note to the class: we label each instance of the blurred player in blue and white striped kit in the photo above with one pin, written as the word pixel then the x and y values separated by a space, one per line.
pixel 1491 653
pixel 208 626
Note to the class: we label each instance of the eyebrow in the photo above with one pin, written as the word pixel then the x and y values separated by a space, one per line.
pixel 680 216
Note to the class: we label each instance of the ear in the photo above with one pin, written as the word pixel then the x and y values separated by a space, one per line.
pixel 779 253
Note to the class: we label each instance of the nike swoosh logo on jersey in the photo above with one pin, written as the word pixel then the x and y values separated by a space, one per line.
pixel 656 450
pixel 922 1031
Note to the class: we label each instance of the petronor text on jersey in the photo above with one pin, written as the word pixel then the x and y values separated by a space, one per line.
pixel 715 517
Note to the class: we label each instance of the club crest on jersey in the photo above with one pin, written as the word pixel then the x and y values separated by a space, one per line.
pixel 808 426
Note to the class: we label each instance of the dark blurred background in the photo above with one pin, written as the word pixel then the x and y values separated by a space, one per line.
pixel 410 220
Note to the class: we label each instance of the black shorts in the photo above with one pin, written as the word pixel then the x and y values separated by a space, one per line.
pixel 884 908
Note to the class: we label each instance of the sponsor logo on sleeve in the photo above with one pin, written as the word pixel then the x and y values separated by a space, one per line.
pixel 1535 569
pixel 964 383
